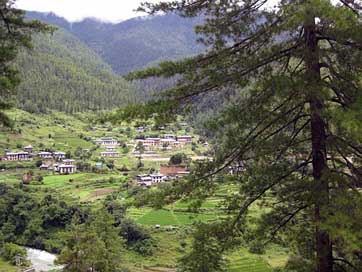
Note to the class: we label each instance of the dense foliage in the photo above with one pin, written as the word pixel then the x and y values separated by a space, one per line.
pixel 15 33
pixel 84 237
pixel 62 73
pixel 92 246
pixel 294 126
pixel 13 254
pixel 28 221
pixel 135 43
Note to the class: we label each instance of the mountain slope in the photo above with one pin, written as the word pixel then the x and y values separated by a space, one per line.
pixel 136 43
pixel 64 74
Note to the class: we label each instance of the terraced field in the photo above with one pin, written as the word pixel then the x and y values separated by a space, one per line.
pixel 243 261
pixel 246 264
pixel 147 216
pixel 85 186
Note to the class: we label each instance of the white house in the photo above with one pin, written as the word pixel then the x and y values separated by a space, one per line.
pixel 144 180
pixel 110 154
pixel 107 141
pixel 29 149
pixel 59 155
pixel 157 178
pixel 45 155
pixel 66 169
pixel 110 148
pixel 149 180
pixel 17 156
pixel 68 162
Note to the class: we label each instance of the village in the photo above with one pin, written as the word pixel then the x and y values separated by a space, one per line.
pixel 143 155
pixel 58 162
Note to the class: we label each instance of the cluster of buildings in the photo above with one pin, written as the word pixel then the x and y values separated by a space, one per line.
pixel 28 154
pixel 110 145
pixel 168 142
pixel 66 166
pixel 52 161
pixel 167 172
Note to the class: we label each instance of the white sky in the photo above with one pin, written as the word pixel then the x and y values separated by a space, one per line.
pixel 106 10
pixel 75 10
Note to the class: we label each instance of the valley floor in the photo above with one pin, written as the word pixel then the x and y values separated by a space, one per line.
pixel 174 222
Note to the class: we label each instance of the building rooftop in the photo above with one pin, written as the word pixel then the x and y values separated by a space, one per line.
pixel 68 160
pixel 66 166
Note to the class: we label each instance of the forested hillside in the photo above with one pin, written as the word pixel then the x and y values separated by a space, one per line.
pixel 64 74
pixel 135 43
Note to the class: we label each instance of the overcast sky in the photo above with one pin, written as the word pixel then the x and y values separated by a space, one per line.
pixel 75 10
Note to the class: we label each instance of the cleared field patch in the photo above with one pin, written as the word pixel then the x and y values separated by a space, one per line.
pixel 60 181
pixel 249 265
pixel 244 261
pixel 82 186
pixel 147 216
pixel 95 194
pixel 210 203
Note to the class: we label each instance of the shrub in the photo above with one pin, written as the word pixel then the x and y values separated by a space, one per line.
pixel 177 159
pixel 10 251
pixel 256 247
pixel 39 178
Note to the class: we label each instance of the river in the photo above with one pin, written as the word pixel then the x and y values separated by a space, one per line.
pixel 42 260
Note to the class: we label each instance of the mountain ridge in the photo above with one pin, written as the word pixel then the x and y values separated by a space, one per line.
pixel 62 73
pixel 135 43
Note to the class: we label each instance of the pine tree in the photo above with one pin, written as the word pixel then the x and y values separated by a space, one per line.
pixel 15 32
pixel 92 246
pixel 295 124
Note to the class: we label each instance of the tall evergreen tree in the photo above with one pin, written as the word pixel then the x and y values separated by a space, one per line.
pixel 15 32
pixel 295 125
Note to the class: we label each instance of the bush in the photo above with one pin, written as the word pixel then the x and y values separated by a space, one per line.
pixel 177 159
pixel 10 251
pixel 39 178
pixel 144 247
pixel 256 247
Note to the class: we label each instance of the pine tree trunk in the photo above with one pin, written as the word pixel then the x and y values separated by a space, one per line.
pixel 324 258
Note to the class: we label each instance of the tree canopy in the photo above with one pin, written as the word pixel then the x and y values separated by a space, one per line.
pixel 294 123
pixel 15 32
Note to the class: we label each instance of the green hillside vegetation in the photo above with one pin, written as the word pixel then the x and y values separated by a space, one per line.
pixel 55 130
pixel 135 43
pixel 90 188
pixel 63 74
pixel 6 267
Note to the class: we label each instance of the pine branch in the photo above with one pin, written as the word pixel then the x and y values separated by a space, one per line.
pixel 285 221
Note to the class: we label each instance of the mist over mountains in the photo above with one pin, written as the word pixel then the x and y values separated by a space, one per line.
pixel 133 44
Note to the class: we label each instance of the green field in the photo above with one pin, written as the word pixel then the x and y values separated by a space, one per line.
pixel 147 216
pixel 6 267
pixel 248 264
pixel 84 186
